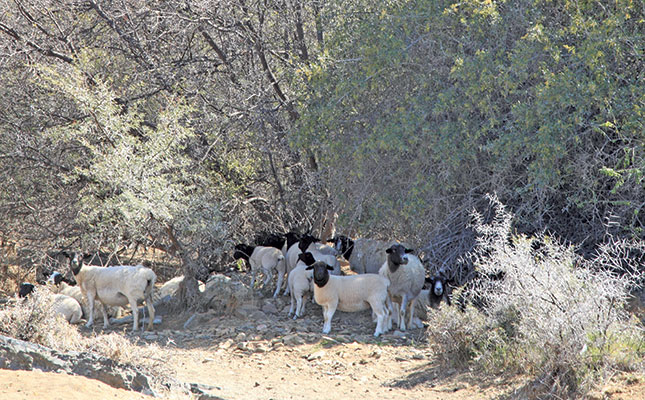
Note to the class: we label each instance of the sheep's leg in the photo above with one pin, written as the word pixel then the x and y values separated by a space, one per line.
pixel 379 309
pixel 106 321
pixel 135 313
pixel 292 309
pixel 253 272
pixel 328 314
pixel 404 301
pixel 151 312
pixel 301 311
pixel 278 285
pixel 299 304
pixel 90 300
pixel 267 277
pixel 412 305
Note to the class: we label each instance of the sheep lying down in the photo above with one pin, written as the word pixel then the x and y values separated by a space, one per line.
pixel 350 293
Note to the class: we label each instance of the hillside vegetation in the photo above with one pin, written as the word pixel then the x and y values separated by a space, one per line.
pixel 180 127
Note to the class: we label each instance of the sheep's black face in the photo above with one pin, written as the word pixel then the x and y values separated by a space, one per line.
pixel 397 256
pixel 243 251
pixel 292 238
pixel 25 289
pixel 76 262
pixel 306 258
pixel 306 241
pixel 56 278
pixel 321 273
pixel 438 290
pixel 343 245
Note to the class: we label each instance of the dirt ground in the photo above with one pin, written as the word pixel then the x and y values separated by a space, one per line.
pixel 273 357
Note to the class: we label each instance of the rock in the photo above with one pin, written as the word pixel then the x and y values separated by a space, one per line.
pixel 293 340
pixel 20 355
pixel 225 295
pixel 269 308
pixel 316 356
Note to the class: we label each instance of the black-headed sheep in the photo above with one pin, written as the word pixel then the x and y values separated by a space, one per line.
pixel 350 293
pixel 267 259
pixel 406 275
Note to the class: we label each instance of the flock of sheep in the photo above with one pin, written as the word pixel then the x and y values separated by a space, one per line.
pixel 389 279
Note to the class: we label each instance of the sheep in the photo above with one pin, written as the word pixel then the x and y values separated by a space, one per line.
pixel 438 289
pixel 115 286
pixel 269 259
pixel 68 307
pixel 306 244
pixel 406 275
pixel 267 239
pixel 350 293
pixel 58 284
pixel 365 256
pixel 300 281
pixel 311 243
pixel 62 304
pixel 25 289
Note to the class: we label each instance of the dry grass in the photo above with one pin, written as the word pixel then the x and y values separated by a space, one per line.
pixel 554 316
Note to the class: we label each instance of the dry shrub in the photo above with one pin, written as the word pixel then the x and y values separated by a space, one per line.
pixel 33 320
pixel 554 315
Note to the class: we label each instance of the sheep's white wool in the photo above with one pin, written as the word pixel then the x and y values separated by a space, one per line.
pixel 115 286
pixel 352 293
pixel 405 285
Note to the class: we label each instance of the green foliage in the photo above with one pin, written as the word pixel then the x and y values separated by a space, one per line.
pixel 442 100
pixel 138 176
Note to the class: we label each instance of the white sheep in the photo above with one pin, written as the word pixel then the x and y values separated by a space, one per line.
pixel 350 293
pixel 68 307
pixel 365 256
pixel 57 285
pixel 115 286
pixel 268 259
pixel 406 275
pixel 300 283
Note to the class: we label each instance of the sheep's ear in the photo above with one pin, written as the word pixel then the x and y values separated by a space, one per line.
pixel 332 240
pixel 329 267
pixel 66 254
pixel 428 279
pixel 309 268
pixel 409 250
pixel 87 257
pixel 389 251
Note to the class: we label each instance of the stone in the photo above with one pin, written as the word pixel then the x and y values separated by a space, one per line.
pixel 20 355
pixel 293 340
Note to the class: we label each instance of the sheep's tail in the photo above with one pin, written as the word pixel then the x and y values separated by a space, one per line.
pixel 150 285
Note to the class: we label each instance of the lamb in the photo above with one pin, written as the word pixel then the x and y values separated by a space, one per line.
pixel 365 256
pixel 62 304
pixel 350 293
pixel 115 286
pixel 306 244
pixel 68 307
pixel 406 275
pixel 269 259
pixel 300 281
